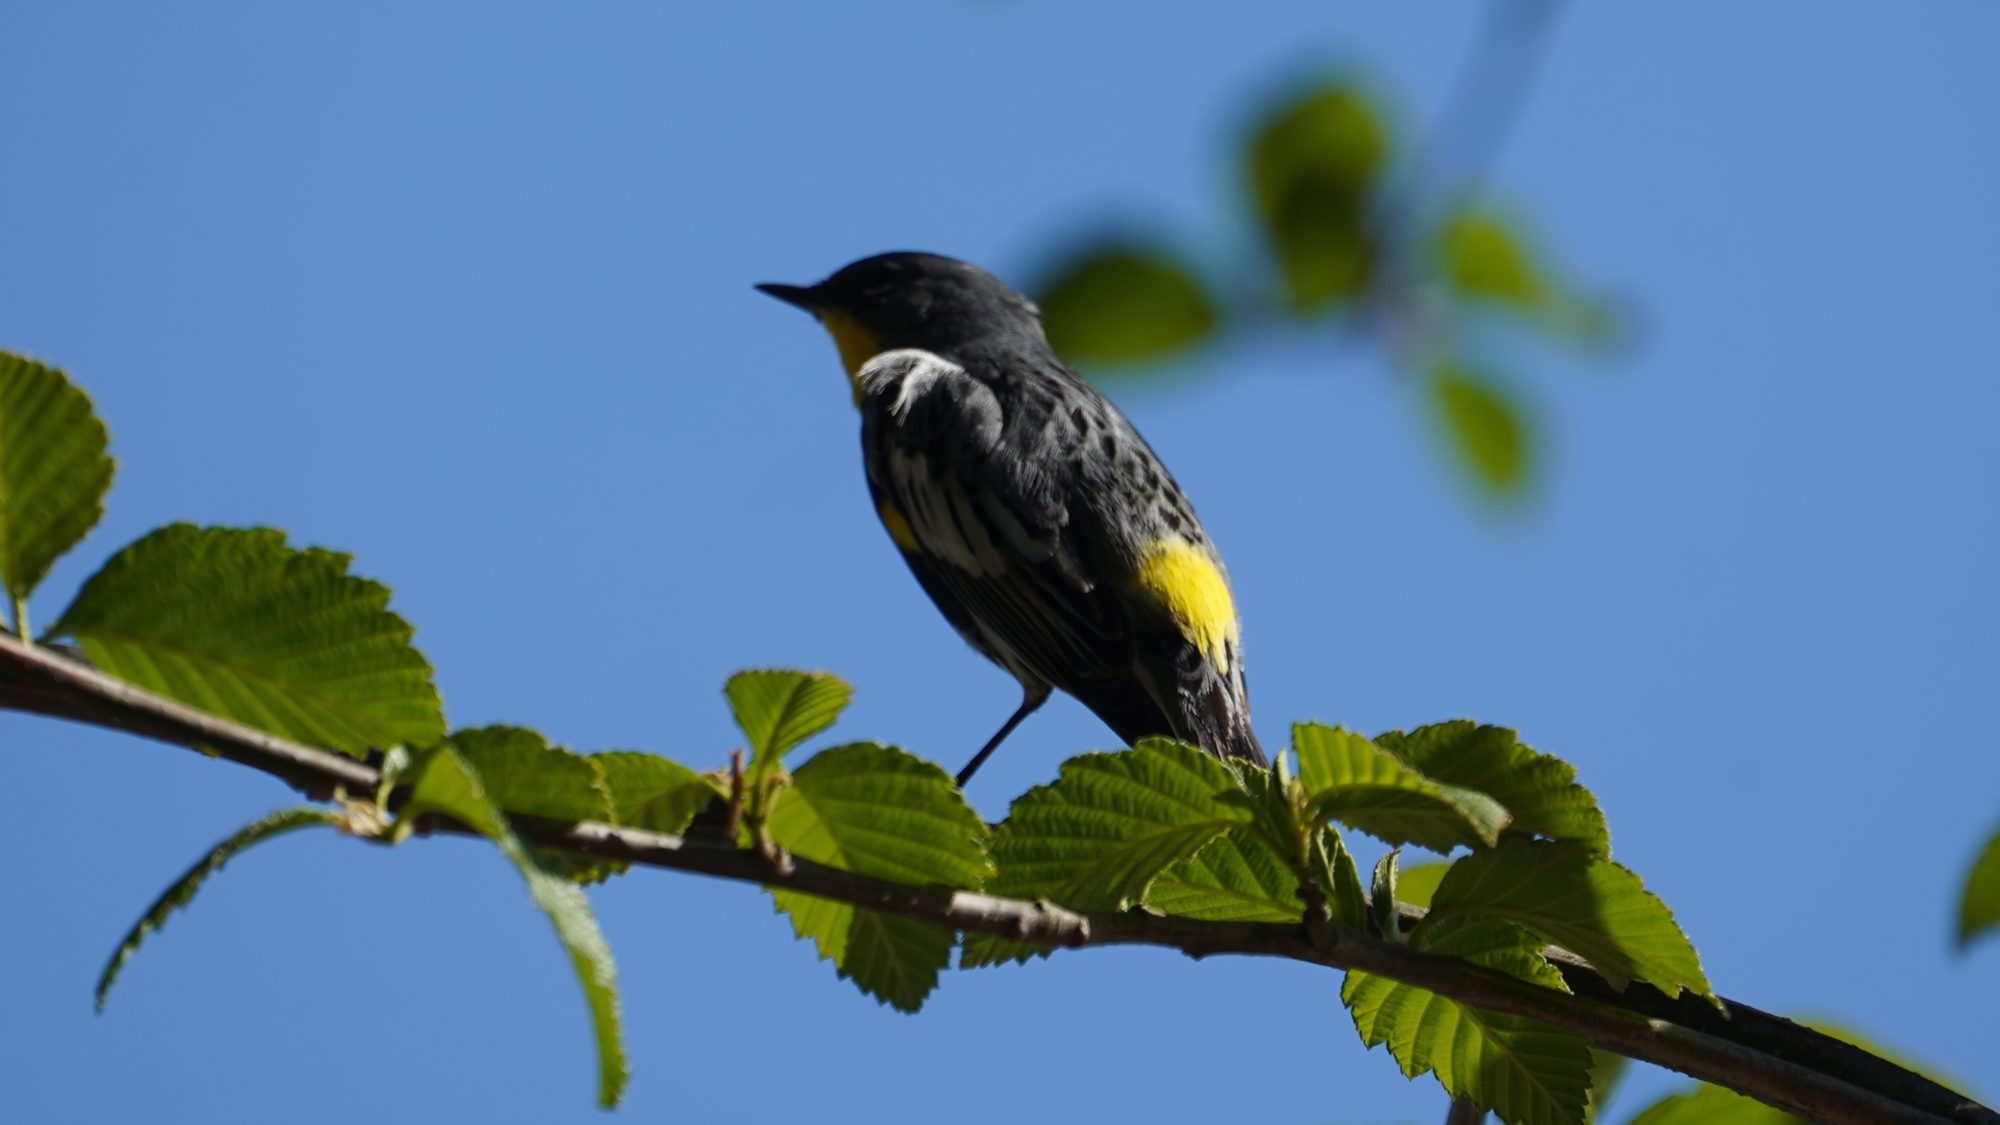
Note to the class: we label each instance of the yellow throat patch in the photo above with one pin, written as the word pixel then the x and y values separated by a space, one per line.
pixel 857 345
pixel 1182 578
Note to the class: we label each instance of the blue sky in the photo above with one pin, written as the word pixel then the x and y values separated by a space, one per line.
pixel 465 289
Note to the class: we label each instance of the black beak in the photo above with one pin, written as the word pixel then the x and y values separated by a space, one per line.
pixel 798 296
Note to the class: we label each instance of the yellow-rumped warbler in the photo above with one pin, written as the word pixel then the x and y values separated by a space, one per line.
pixel 1032 513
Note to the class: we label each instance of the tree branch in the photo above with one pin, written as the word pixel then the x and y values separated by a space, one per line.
pixel 1763 1056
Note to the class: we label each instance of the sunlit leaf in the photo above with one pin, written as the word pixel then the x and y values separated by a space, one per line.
pixel 878 811
pixel 778 708
pixel 523 774
pixel 1236 878
pixel 53 472
pixel 239 624
pixel 1339 873
pixel 1539 790
pixel 1589 906
pixel 1525 1071
pixel 446 783
pixel 1979 907
pixel 1352 780
pixel 1312 168
pixel 1484 425
pixel 1123 302
pixel 526 776
pixel 651 792
pixel 1109 825
pixel 182 891
pixel 1416 883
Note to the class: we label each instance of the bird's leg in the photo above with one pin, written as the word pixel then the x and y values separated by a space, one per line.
pixel 1031 698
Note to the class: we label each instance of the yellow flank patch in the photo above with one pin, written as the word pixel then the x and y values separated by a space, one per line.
pixel 898 527
pixel 857 346
pixel 1192 588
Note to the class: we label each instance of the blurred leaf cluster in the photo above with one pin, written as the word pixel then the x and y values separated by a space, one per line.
pixel 1341 234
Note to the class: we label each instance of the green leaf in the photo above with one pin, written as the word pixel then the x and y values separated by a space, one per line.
pixel 1501 946
pixel 1484 425
pixel 1607 1068
pixel 651 792
pixel 1417 883
pixel 1711 1105
pixel 523 774
pixel 1313 165
pixel 1382 897
pixel 1275 802
pixel 446 783
pixel 1539 790
pixel 878 811
pixel 236 623
pixel 1979 908
pixel 1523 1070
pixel 778 708
pixel 1099 836
pixel 1527 1072
pixel 1111 822
pixel 526 776
pixel 1591 907
pixel 54 473
pixel 1349 778
pixel 1123 302
pixel 182 891
pixel 1337 870
pixel 1236 878
pixel 1483 257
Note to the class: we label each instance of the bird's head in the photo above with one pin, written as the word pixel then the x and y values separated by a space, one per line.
pixel 911 300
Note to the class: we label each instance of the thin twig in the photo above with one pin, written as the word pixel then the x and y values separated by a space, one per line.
pixel 1852 1087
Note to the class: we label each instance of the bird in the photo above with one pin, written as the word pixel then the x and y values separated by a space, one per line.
pixel 1027 506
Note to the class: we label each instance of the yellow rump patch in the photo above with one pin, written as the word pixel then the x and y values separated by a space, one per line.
pixel 1182 577
pixel 898 527
pixel 857 346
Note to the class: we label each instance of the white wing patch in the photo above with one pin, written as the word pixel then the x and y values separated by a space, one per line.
pixel 950 525
pixel 913 371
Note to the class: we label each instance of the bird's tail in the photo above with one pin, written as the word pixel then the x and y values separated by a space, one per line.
pixel 1200 706
pixel 1218 720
